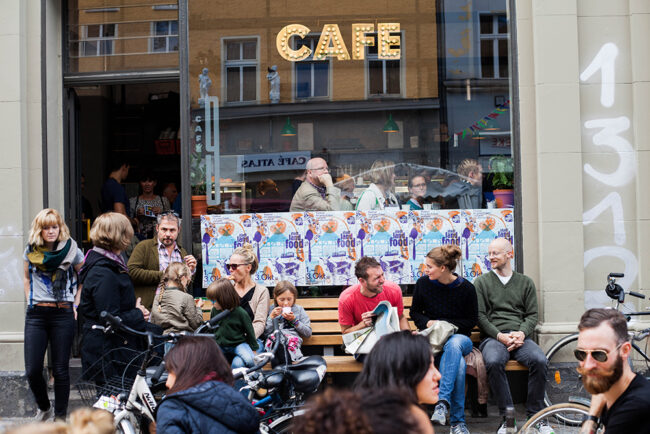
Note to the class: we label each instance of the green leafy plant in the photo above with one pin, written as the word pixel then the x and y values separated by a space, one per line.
pixel 501 167
pixel 197 174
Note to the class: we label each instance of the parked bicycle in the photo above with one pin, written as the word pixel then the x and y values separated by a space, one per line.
pixel 563 383
pixel 287 385
pixel 560 417
pixel 131 395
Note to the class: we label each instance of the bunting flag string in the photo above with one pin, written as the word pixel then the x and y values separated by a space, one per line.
pixel 482 123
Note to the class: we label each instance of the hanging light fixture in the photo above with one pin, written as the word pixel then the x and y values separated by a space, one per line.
pixel 390 126
pixel 492 125
pixel 476 135
pixel 288 130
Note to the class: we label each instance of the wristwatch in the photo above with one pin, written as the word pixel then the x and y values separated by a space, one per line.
pixel 593 418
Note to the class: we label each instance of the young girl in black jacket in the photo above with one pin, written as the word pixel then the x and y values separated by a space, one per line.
pixel 201 398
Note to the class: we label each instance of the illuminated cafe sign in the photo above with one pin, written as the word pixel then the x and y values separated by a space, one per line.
pixel 271 162
pixel 331 42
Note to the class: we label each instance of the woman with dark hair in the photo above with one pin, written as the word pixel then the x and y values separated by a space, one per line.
pixel 401 360
pixel 146 206
pixel 52 260
pixel 201 398
pixel 444 295
pixel 417 190
pixel 372 411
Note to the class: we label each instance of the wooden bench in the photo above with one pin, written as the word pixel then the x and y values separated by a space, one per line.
pixel 326 333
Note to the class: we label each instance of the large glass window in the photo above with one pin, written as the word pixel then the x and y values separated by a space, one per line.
pixel 405 107
pixel 120 35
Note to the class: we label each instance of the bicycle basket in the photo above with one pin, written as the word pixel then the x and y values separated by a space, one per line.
pixel 109 376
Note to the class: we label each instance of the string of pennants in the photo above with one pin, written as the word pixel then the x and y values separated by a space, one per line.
pixel 482 123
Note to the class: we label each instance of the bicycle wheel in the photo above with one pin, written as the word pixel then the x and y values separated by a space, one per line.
pixel 556 416
pixel 563 383
pixel 282 425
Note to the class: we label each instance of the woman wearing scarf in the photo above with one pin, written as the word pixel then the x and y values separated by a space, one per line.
pixel 52 260
pixel 107 287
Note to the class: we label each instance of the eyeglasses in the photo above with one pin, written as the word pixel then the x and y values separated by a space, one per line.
pixel 321 168
pixel 598 355
pixel 419 185
pixel 174 213
pixel 234 266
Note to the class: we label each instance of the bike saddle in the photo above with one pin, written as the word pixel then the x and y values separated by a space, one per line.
pixel 311 362
pixel 271 379
pixel 305 381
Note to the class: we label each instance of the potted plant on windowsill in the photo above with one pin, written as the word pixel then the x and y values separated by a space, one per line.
pixel 501 168
pixel 197 180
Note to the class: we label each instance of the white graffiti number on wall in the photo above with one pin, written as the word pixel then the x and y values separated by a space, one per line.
pixel 608 135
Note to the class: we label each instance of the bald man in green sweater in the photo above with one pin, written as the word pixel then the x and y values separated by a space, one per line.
pixel 507 316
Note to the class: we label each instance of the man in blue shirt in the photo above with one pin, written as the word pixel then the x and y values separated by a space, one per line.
pixel 113 193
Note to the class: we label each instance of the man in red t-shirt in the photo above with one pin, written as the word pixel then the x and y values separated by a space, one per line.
pixel 358 301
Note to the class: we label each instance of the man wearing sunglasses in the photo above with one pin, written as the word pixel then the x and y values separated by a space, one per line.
pixel 620 397
pixel 151 257
pixel 317 192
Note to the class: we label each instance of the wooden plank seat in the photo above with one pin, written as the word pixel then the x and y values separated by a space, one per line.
pixel 326 333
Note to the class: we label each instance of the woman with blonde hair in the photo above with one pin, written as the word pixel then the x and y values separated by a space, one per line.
pixel 173 308
pixel 253 297
pixel 379 193
pixel 52 260
pixel 107 287
pixel 441 294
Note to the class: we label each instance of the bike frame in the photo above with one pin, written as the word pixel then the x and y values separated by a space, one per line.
pixel 141 390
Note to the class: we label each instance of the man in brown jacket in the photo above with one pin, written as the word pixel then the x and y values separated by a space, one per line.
pixel 150 257
pixel 317 192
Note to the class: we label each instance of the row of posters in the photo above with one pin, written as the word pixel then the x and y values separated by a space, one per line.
pixel 321 247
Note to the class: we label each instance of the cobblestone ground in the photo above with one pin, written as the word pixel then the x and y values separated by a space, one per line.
pixel 476 425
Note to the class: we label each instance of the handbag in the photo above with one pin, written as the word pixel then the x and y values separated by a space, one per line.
pixel 362 341
pixel 438 334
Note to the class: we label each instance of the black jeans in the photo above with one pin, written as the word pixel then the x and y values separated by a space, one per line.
pixel 52 325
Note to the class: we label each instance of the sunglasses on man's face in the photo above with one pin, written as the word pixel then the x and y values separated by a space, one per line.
pixel 598 355
pixel 233 266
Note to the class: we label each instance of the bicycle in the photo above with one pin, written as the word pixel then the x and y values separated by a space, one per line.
pixel 557 416
pixel 131 399
pixel 288 385
pixel 563 383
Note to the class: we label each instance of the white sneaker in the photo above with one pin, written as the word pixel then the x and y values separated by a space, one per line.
pixel 460 428
pixel 43 416
pixel 439 415
pixel 502 428
pixel 544 428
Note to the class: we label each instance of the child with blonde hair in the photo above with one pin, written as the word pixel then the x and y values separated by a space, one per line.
pixel 294 322
pixel 173 308
pixel 235 334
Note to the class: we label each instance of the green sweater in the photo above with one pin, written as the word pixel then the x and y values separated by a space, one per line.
pixel 510 307
pixel 235 329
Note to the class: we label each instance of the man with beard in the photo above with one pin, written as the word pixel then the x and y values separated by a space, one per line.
pixel 357 302
pixel 151 257
pixel 507 316
pixel 620 397
pixel 317 192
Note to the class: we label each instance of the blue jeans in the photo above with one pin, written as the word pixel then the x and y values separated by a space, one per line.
pixel 243 355
pixel 452 369
pixel 55 326
pixel 495 356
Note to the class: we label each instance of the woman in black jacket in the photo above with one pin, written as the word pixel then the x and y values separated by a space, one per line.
pixel 107 287
pixel 201 398
pixel 444 295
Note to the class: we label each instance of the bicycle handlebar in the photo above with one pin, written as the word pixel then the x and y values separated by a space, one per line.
pixel 158 373
pixel 117 323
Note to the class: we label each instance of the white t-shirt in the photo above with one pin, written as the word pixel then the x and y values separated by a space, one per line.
pixel 42 281
pixel 503 279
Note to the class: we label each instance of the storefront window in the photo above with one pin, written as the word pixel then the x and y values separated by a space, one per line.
pixel 412 99
pixel 121 35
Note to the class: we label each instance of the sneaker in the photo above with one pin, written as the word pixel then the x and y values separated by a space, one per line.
pixel 43 416
pixel 544 428
pixel 459 428
pixel 502 428
pixel 439 415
